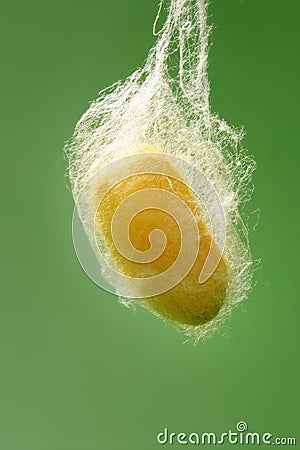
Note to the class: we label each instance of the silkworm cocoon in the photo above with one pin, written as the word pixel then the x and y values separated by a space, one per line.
pixel 159 180
pixel 188 302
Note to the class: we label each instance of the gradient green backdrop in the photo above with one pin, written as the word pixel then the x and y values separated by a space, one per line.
pixel 78 370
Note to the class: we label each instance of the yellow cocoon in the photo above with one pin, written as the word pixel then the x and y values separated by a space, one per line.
pixel 189 302
pixel 165 103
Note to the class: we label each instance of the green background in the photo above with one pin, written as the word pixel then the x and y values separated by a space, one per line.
pixel 78 370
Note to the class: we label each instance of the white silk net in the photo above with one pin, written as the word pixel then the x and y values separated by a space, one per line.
pixel 165 104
